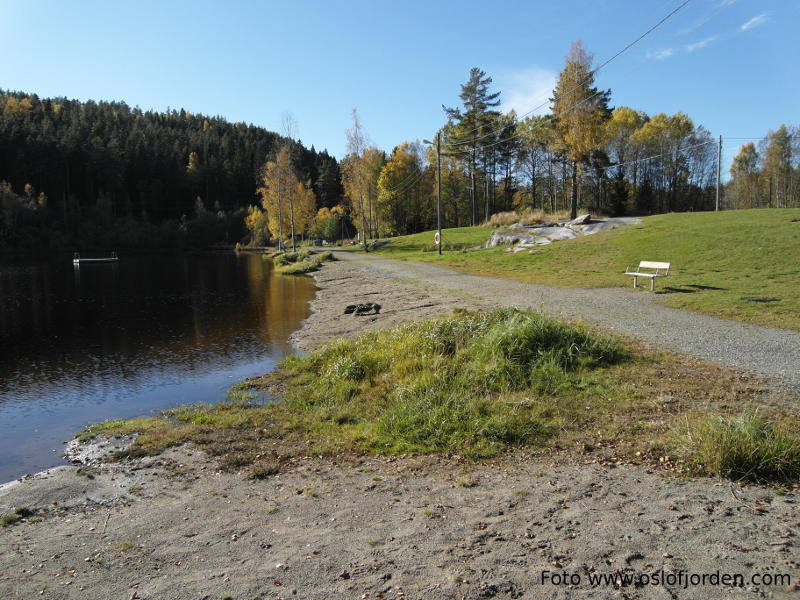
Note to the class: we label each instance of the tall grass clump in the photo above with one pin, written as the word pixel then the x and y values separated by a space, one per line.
pixel 443 384
pixel 302 261
pixel 527 216
pixel 524 350
pixel 748 447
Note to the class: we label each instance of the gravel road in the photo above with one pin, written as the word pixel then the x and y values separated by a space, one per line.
pixel 765 351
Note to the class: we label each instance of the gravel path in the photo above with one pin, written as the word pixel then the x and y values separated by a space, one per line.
pixel 765 351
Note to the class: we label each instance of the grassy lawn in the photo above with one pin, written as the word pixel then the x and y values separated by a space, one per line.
pixel 479 384
pixel 718 261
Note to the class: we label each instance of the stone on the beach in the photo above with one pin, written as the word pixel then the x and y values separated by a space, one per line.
pixel 368 308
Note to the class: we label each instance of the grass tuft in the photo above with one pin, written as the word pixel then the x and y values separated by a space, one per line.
pixel 745 448
pixel 526 217
pixel 300 262
pixel 21 512
pixel 439 385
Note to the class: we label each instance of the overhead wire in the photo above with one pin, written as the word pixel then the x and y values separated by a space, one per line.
pixel 411 184
pixel 402 183
pixel 588 76
pixel 637 160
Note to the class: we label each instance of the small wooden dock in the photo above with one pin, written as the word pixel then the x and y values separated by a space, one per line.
pixel 77 260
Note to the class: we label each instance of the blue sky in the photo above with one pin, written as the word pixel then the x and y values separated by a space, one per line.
pixel 728 64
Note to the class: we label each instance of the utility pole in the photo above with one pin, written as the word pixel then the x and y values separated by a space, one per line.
pixel 439 190
pixel 472 192
pixel 719 169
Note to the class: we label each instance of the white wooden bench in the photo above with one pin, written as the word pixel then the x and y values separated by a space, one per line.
pixel 651 269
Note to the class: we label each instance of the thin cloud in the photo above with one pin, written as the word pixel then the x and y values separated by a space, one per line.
pixel 660 54
pixel 755 22
pixel 528 89
pixel 701 43
pixel 725 3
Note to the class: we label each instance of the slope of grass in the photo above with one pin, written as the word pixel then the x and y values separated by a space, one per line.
pixel 421 244
pixel 719 261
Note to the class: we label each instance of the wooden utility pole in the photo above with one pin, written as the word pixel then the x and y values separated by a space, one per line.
pixel 719 169
pixel 439 190
pixel 472 180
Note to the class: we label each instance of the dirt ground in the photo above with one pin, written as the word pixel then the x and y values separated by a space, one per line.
pixel 524 526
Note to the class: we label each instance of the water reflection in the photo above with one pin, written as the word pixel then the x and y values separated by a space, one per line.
pixel 122 339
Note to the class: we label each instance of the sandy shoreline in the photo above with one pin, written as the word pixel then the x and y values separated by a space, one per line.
pixel 174 526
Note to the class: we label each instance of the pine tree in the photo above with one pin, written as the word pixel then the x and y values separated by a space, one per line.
pixel 473 124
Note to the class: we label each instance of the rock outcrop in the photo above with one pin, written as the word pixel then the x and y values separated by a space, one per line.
pixel 521 237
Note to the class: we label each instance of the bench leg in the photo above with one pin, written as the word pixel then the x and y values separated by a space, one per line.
pixel 634 281
pixel 652 284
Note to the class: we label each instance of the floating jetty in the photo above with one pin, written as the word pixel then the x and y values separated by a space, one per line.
pixel 77 260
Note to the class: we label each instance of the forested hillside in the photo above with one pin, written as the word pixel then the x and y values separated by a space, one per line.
pixel 105 175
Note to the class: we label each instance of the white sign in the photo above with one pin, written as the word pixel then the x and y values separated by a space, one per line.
pixel 436 238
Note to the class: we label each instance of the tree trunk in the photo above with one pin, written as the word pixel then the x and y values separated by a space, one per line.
pixel 280 218
pixel 363 221
pixel 291 222
pixel 369 203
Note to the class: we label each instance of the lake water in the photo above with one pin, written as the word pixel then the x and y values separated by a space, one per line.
pixel 99 341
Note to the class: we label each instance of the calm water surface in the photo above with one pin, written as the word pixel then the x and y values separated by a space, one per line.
pixel 79 345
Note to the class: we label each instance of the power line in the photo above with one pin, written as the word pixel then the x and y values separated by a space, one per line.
pixel 630 162
pixel 402 183
pixel 590 74
pixel 410 185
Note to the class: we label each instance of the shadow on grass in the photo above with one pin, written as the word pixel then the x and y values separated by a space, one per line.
pixel 689 288
pixel 759 299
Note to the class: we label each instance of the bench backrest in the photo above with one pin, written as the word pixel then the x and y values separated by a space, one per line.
pixel 649 264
